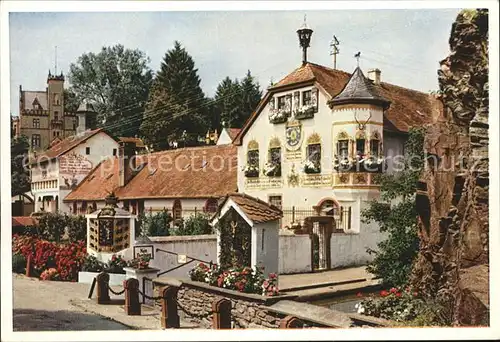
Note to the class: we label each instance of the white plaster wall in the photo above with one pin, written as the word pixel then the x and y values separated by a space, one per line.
pixel 203 247
pixel 265 249
pixel 224 138
pixel 294 254
pixel 349 249
pixel 188 205
pixel 393 150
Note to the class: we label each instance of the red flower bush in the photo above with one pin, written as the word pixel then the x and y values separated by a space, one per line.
pixel 66 259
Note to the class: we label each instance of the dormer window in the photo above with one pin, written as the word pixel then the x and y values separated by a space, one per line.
pixel 281 102
pixel 306 98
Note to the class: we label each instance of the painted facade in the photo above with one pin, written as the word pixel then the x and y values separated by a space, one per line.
pixel 54 178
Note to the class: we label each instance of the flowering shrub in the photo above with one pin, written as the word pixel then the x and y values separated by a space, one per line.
pixel 396 304
pixel 141 262
pixel 116 264
pixel 70 259
pixel 91 264
pixel 49 274
pixel 66 259
pixel 242 279
pixel 272 169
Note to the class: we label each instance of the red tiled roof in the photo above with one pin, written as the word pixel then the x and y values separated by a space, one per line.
pixel 196 172
pixel 408 107
pixel 101 181
pixel 67 144
pixel 22 221
pixel 255 209
pixel 138 142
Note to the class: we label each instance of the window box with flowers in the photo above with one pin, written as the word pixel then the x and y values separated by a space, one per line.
pixel 311 167
pixel 279 116
pixel 272 169
pixel 343 164
pixel 305 112
pixel 251 171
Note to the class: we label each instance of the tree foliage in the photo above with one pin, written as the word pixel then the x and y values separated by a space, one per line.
pixel 176 107
pixel 397 216
pixel 116 80
pixel 19 148
pixel 155 224
pixel 236 100
pixel 196 224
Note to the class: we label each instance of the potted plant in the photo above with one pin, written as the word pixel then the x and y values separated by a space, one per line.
pixel 141 262
pixel 279 116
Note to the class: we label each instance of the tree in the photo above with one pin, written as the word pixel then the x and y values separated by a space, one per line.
pixel 250 97
pixel 71 102
pixel 228 99
pixel 196 224
pixel 116 80
pixel 236 100
pixel 176 104
pixel 19 148
pixel 396 215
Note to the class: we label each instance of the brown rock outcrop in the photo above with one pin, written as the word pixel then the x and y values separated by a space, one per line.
pixel 452 196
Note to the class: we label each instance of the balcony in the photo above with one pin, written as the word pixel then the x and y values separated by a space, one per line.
pixel 56 123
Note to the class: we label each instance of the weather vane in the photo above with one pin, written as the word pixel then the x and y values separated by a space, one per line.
pixel 357 56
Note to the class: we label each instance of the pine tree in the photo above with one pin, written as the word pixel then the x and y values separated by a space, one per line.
pixel 228 102
pixel 236 100
pixel 176 102
pixel 250 96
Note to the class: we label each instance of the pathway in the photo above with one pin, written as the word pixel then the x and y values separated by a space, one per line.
pixel 294 282
pixel 46 306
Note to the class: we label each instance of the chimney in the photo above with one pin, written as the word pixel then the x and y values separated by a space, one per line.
pixel 127 160
pixel 374 75
pixel 80 124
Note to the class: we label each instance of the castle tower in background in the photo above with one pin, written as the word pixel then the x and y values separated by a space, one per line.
pixel 42 115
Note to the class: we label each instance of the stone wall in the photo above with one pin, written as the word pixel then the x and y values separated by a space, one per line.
pixel 255 311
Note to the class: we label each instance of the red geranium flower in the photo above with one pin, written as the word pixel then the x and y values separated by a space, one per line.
pixel 384 293
pixel 359 294
pixel 398 294
pixel 393 290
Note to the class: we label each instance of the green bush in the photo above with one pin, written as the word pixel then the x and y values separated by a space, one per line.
pixel 156 224
pixel 77 228
pixel 91 264
pixel 52 226
pixel 396 214
pixel 18 263
pixel 197 224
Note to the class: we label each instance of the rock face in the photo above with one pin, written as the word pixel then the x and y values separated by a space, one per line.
pixel 452 196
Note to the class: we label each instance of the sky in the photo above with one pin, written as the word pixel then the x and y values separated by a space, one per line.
pixel 406 45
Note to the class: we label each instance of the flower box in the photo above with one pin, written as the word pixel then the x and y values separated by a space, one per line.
pixel 272 170
pixel 305 113
pixel 311 168
pixel 279 116
pixel 251 171
pixel 114 278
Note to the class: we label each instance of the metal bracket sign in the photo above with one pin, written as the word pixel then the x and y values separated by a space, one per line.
pixel 181 258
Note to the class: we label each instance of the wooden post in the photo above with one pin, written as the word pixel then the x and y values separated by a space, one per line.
pixel 291 322
pixel 28 266
pixel 132 304
pixel 102 288
pixel 221 318
pixel 169 315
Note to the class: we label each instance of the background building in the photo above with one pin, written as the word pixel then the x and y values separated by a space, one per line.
pixel 42 115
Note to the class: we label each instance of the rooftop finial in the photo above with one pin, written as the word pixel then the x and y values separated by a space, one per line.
pixel 357 56
pixel 55 64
